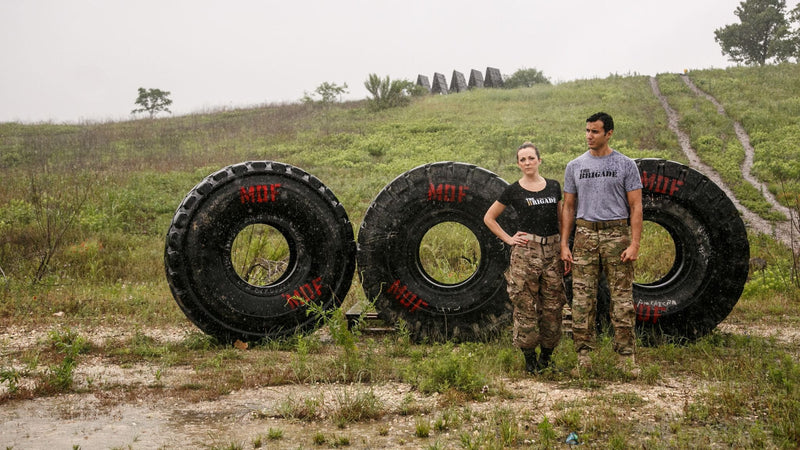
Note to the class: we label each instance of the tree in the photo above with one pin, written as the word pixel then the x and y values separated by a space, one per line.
pixel 329 93
pixel 388 93
pixel 794 18
pixel 762 35
pixel 525 78
pixel 152 101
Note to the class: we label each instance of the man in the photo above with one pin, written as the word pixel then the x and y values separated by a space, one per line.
pixel 603 197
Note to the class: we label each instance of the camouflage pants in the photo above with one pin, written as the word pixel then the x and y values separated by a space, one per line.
pixel 535 284
pixel 594 250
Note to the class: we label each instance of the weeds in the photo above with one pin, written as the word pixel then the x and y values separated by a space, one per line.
pixel 307 409
pixel 341 441
pixel 11 377
pixel 507 426
pixel 355 407
pixel 197 341
pixel 230 446
pixel 547 433
pixel 422 428
pixel 449 368
pixel 793 201
pixel 319 439
pixel 274 434
pixel 409 406
pixel 448 419
pixel 351 364
pixel 69 345
pixel 569 419
pixel 54 210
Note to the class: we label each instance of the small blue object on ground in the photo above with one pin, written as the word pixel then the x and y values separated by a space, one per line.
pixel 572 439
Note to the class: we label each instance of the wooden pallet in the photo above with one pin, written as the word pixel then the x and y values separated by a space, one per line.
pixel 376 325
pixel 372 324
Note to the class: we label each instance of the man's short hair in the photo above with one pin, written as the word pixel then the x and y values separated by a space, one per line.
pixel 608 121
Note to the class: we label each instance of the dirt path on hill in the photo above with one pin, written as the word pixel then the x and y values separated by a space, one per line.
pixel 780 230
pixel 749 152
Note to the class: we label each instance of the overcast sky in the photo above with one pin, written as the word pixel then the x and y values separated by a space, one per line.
pixel 83 60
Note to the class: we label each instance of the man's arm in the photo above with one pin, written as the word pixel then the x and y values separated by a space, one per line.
pixel 567 220
pixel 635 205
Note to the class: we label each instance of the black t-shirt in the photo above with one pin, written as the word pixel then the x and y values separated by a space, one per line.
pixel 537 212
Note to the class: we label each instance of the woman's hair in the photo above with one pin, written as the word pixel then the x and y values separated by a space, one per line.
pixel 529 144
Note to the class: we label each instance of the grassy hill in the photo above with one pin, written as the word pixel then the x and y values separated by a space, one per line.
pixel 84 210
pixel 88 205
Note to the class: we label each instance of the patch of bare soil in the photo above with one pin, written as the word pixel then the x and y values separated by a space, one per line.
pixel 133 418
pixel 788 336
pixel 113 417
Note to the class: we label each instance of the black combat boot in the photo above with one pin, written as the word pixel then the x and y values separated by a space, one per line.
pixel 531 363
pixel 544 358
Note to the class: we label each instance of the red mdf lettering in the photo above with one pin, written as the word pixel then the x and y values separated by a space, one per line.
pixel 447 193
pixel 647 313
pixel 408 299
pixel 661 184
pixel 305 293
pixel 259 193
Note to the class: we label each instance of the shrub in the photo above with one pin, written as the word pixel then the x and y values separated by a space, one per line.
pixel 387 93
pixel 525 78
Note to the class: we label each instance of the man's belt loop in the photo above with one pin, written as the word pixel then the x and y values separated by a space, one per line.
pixel 595 226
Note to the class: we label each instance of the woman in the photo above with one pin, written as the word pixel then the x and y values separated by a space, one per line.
pixel 535 276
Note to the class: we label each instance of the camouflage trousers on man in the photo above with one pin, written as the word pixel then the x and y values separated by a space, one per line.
pixel 594 250
pixel 535 284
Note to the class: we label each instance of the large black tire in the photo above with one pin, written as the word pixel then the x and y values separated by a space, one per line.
pixel 198 263
pixel 389 258
pixel 711 252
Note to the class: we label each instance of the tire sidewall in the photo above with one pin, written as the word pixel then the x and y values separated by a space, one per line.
pixel 305 212
pixel 388 257
pixel 711 251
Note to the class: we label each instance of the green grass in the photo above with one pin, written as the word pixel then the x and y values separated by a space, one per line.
pixel 766 101
pixel 656 255
pixel 714 139
pixel 122 182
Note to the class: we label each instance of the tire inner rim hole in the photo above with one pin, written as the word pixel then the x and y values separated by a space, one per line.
pixel 260 254
pixel 656 254
pixel 449 253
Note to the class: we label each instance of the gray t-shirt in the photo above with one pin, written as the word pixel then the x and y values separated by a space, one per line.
pixel 602 184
